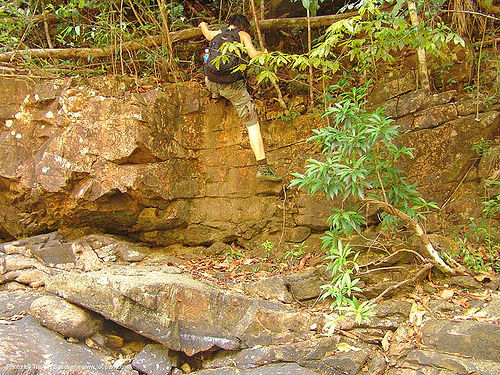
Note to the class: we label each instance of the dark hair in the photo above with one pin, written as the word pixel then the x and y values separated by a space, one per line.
pixel 240 21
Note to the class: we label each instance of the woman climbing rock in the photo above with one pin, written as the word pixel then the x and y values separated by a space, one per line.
pixel 223 81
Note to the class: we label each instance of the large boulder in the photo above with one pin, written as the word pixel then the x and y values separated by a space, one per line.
pixel 478 340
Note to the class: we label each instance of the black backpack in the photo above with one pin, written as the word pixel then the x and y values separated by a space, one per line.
pixel 224 74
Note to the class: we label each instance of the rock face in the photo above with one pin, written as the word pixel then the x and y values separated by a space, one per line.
pixel 169 167
pixel 182 313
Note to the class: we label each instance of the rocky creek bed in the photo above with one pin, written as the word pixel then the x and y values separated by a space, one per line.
pixel 97 304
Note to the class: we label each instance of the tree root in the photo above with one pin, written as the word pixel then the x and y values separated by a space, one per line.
pixel 426 268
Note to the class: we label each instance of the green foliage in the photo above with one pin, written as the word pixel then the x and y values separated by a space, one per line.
pixel 227 49
pixel 90 23
pixel 342 266
pixel 268 248
pixel 358 164
pixel 356 45
pixel 268 245
pixel 311 5
pixel 374 35
pixel 233 253
pixel 14 19
pixel 292 255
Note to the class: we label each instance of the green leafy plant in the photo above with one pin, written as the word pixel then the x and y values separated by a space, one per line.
pixel 268 248
pixel 233 253
pixel 268 245
pixel 342 265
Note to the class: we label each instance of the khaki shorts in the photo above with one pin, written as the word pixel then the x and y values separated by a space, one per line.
pixel 238 95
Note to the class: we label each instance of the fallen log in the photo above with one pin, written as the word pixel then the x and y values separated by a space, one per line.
pixel 176 36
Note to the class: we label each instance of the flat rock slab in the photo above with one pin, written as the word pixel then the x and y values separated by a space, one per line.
pixel 320 353
pixel 28 348
pixel 275 369
pixel 478 340
pixel 178 311
pixel 310 350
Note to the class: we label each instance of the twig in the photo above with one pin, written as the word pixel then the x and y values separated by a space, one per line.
pixel 415 277
pixel 448 199
pixel 375 240
pixel 423 74
pixel 309 47
pixel 382 261
pixel 284 217
pixel 380 269
pixel 46 25
pixel 471 12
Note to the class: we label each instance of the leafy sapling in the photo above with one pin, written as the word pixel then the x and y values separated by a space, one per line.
pixel 359 166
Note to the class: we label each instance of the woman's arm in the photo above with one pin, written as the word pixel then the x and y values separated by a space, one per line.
pixel 250 48
pixel 208 34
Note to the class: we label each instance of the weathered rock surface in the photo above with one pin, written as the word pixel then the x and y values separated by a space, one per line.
pixel 65 318
pixel 453 364
pixel 26 347
pixel 478 340
pixel 12 303
pixel 319 354
pixel 276 369
pixel 168 169
pixel 311 350
pixel 153 360
pixel 33 260
pixel 182 313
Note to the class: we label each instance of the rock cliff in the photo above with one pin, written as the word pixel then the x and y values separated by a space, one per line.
pixel 169 166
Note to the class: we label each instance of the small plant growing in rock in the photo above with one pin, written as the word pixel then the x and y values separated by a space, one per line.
pixel 233 253
pixel 268 247
pixel 293 255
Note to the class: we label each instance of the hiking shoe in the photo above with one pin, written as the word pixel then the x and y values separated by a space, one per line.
pixel 264 172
